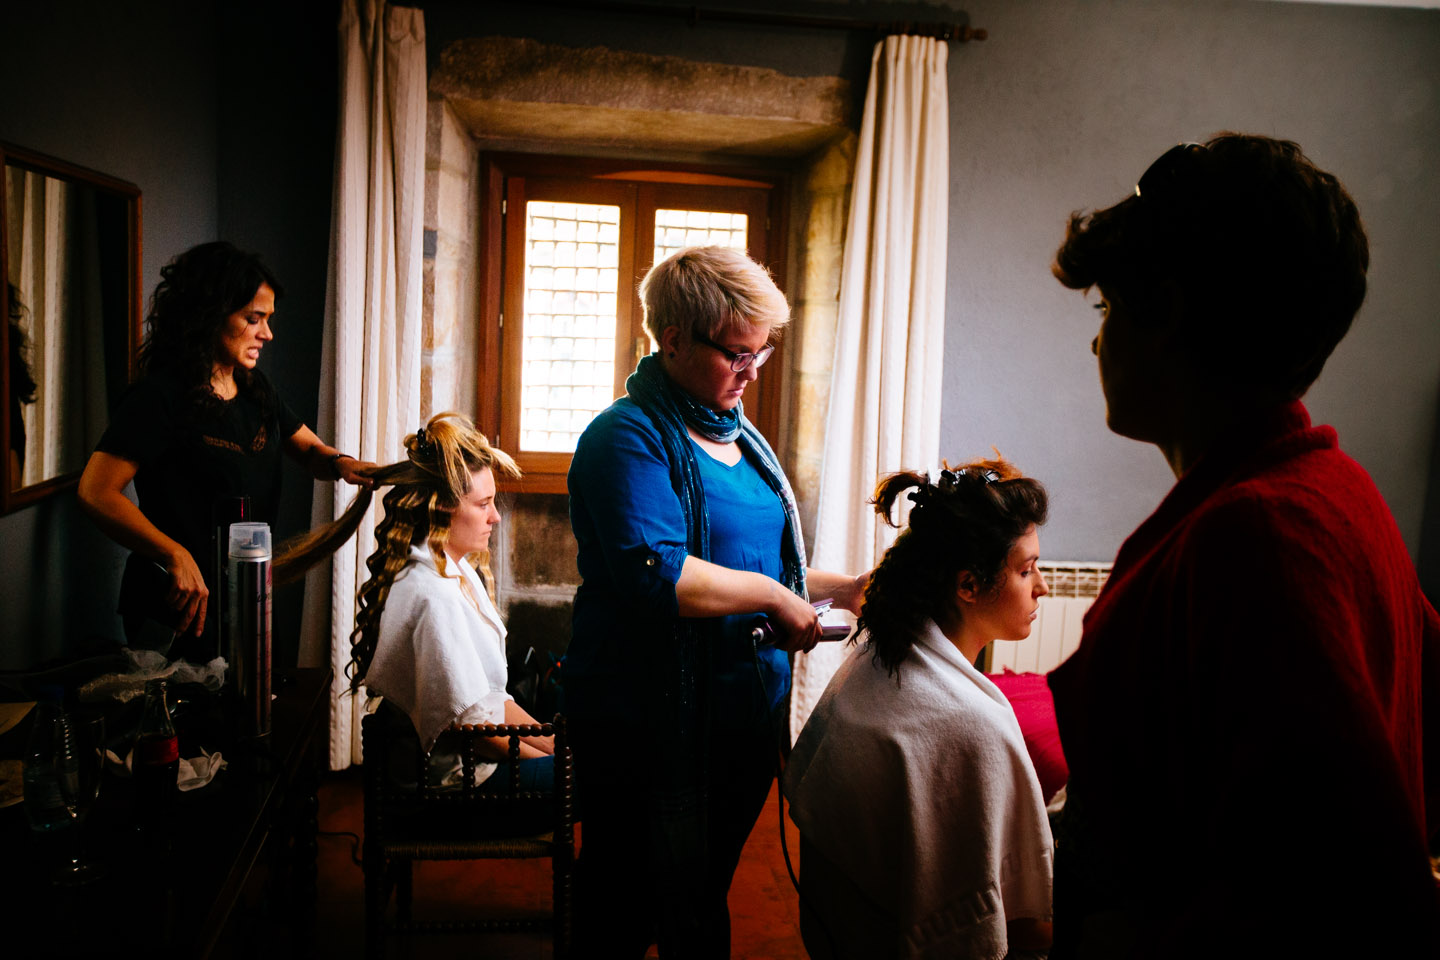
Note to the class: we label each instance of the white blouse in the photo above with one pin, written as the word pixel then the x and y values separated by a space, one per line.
pixel 438 657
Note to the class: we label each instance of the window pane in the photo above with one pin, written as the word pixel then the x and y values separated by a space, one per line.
pixel 678 229
pixel 571 276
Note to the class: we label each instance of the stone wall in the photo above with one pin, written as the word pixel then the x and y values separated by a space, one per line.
pixel 452 210
pixel 535 570
pixel 820 205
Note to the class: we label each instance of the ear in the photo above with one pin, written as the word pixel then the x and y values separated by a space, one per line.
pixel 965 588
pixel 670 341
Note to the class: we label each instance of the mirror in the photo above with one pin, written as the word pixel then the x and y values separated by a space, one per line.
pixel 70 253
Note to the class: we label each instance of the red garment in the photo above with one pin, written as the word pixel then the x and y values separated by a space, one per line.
pixel 1253 716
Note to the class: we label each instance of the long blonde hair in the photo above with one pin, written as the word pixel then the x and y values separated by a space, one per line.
pixel 425 487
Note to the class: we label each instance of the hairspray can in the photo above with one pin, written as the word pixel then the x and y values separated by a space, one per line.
pixel 223 512
pixel 247 620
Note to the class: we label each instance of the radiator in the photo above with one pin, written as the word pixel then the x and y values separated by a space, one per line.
pixel 1056 633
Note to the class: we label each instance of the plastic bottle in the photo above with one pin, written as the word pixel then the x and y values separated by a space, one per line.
pixel 156 763
pixel 52 769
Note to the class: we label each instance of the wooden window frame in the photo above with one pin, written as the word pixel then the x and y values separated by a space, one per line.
pixel 507 180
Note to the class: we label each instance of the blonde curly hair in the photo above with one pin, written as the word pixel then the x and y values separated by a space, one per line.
pixel 425 487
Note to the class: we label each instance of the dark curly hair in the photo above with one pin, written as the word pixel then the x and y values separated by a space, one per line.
pixel 1269 246
pixel 198 292
pixel 965 522
pixel 22 383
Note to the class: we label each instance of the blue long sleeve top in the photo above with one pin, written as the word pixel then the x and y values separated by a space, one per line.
pixel 630 529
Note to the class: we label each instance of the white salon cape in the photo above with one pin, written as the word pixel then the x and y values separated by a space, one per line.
pixel 923 822
pixel 440 657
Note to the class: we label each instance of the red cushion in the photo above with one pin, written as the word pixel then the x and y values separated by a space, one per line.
pixel 1029 695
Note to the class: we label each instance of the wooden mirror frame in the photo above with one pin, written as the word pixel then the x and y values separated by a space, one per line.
pixel 12 499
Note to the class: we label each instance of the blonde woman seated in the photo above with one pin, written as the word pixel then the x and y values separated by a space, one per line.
pixel 923 826
pixel 428 637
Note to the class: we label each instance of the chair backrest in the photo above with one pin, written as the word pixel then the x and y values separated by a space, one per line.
pixel 399 792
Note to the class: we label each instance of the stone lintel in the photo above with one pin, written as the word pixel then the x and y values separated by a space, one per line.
pixel 649 130
pixel 504 88
pixel 528 71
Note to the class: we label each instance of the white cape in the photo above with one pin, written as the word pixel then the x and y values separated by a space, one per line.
pixel 921 809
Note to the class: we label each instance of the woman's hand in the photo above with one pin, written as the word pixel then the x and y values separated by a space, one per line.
pixel 853 595
pixel 847 592
pixel 188 593
pixel 707 589
pixel 517 715
pixel 325 462
pixel 355 472
pixel 796 622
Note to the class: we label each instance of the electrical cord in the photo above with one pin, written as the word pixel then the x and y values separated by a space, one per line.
pixel 354 843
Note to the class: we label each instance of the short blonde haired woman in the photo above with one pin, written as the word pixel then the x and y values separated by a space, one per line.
pixel 687 533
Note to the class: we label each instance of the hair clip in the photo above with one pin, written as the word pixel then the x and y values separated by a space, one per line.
pixel 424 445
pixel 986 476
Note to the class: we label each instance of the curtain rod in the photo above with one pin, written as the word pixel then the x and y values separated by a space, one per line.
pixel 938 29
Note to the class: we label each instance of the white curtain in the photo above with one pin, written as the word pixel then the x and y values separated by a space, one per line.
pixel 370 371
pixel 885 382
pixel 55 267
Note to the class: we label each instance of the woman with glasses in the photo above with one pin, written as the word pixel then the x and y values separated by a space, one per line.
pixel 1252 719
pixel 688 536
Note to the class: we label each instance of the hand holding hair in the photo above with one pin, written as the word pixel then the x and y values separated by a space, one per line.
pixel 355 472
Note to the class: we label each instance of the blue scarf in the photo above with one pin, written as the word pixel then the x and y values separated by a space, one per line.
pixel 679 682
pixel 672 410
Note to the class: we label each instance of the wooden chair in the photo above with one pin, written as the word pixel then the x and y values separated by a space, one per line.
pixel 408 820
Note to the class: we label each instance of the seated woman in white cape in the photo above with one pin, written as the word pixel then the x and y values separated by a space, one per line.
pixel 923 827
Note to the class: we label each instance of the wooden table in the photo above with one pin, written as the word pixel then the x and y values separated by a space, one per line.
pixel 189 895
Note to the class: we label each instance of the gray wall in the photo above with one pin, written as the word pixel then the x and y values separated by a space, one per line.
pixel 1064 106
pixel 130 90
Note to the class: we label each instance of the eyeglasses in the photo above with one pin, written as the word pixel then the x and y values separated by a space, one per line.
pixel 1163 177
pixel 740 361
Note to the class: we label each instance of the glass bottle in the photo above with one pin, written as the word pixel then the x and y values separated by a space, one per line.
pixel 51 771
pixel 156 763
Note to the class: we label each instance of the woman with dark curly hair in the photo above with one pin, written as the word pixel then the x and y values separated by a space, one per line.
pixel 203 424
pixel 428 637
pixel 923 827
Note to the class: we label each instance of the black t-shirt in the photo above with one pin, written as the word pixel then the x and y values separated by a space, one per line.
pixel 188 464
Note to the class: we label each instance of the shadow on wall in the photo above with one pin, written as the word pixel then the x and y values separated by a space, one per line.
pixel 536 623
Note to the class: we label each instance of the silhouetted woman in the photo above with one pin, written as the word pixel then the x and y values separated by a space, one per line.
pixel 1252 718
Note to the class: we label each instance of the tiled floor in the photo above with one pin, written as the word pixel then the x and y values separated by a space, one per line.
pixel 764 911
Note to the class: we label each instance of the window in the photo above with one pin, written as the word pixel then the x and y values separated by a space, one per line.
pixel 565 244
